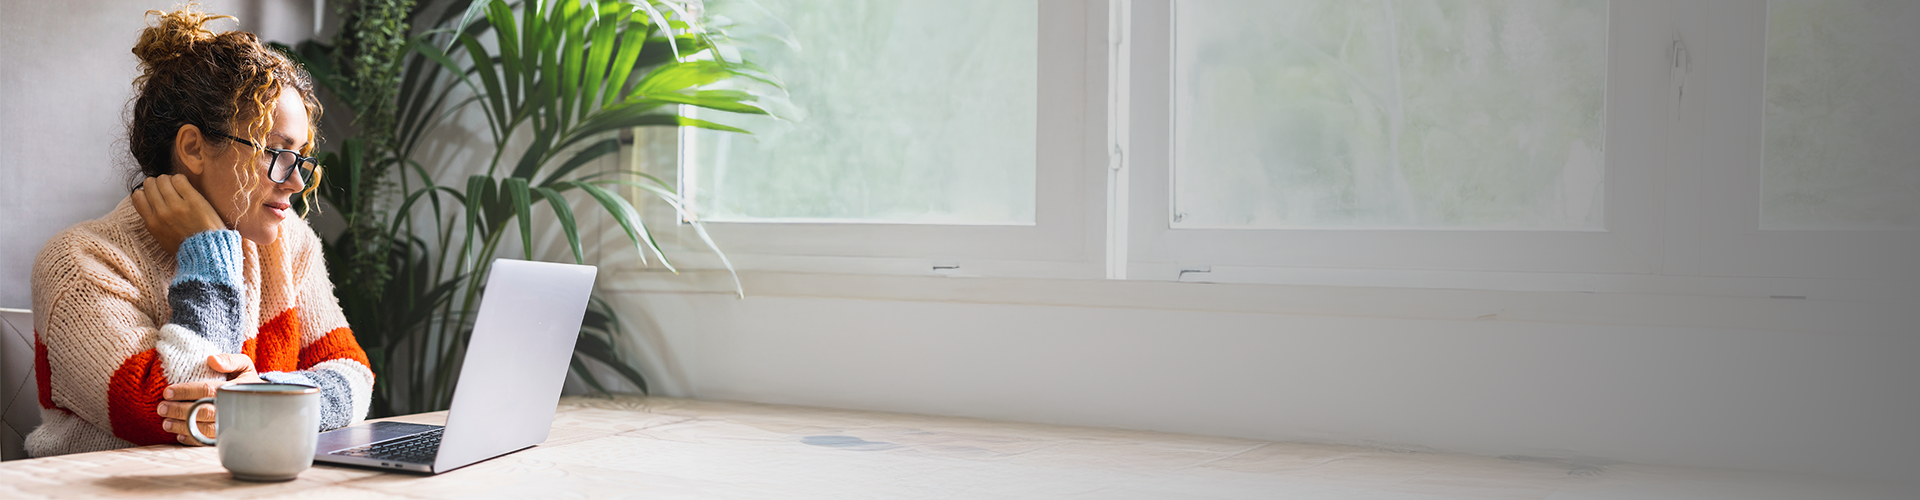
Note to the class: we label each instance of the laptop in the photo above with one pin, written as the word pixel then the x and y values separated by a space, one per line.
pixel 509 385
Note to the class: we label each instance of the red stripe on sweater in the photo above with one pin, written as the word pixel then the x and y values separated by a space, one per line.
pixel 42 373
pixel 276 348
pixel 338 344
pixel 132 393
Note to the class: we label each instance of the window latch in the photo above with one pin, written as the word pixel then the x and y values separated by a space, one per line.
pixel 1681 65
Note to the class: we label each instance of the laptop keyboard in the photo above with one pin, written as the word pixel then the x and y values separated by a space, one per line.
pixel 418 448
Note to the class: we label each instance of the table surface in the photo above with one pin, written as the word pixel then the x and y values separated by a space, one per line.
pixel 630 447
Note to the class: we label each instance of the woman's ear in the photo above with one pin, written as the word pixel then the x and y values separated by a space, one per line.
pixel 191 152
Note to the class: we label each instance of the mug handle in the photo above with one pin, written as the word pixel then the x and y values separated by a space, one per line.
pixel 193 427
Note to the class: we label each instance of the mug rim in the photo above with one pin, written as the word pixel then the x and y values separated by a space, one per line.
pixel 289 389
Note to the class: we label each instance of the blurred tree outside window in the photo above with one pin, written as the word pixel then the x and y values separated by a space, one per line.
pixel 1390 114
pixel 909 112
pixel 1840 114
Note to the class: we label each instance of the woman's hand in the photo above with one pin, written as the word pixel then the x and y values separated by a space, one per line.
pixel 180 397
pixel 173 210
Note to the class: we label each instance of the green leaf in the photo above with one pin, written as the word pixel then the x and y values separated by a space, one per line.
pixel 416 83
pixel 659 22
pixel 522 209
pixel 533 32
pixel 656 180
pixel 317 59
pixel 564 214
pixel 571 60
pixel 633 40
pixel 473 9
pixel 476 193
pixel 674 77
pixel 508 37
pixel 601 51
pixel 633 114
pixel 699 228
pixel 580 368
pixel 406 207
pixel 498 207
pixel 356 163
pixel 599 350
pixel 550 47
pixel 536 154
pixel 629 219
pixel 580 158
pixel 484 66
pixel 732 101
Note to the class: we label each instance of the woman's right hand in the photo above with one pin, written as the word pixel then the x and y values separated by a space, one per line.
pixel 174 210
pixel 180 397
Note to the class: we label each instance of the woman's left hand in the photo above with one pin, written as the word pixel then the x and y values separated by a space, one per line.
pixel 180 397
pixel 173 210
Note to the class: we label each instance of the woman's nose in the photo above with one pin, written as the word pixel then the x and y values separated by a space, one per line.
pixel 294 183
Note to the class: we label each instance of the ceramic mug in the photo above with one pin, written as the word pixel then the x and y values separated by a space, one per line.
pixel 267 431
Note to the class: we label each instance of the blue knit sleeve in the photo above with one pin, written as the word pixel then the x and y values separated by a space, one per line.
pixel 206 294
pixel 209 307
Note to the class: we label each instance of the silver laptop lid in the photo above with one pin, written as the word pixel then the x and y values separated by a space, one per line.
pixel 516 360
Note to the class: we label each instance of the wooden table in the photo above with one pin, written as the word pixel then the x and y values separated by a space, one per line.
pixel 628 447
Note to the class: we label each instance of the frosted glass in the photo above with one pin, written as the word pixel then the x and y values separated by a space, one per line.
pixel 1842 118
pixel 1390 114
pixel 916 112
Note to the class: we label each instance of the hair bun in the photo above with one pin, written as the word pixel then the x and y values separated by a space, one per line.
pixel 175 35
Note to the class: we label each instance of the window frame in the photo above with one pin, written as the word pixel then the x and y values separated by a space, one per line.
pixel 1681 193
pixel 1636 90
pixel 1067 237
pixel 1731 241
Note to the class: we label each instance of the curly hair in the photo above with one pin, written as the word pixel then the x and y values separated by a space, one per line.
pixel 228 82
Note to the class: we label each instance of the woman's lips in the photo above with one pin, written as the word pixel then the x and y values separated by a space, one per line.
pixel 280 209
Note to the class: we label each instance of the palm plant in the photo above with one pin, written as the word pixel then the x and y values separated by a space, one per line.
pixel 559 80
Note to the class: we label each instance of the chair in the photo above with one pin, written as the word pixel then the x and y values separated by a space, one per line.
pixel 19 396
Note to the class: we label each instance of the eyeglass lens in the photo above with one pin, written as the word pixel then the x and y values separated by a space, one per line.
pixel 285 163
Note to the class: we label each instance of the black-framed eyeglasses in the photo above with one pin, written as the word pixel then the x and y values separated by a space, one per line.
pixel 284 161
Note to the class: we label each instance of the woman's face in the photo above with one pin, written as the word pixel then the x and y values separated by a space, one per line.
pixel 236 183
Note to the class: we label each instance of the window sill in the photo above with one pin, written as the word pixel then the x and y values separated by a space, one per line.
pixel 1616 308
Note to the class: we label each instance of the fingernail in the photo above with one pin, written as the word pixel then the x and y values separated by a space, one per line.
pixel 167 425
pixel 167 394
pixel 160 409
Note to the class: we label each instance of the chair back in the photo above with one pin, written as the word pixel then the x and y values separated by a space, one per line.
pixel 19 395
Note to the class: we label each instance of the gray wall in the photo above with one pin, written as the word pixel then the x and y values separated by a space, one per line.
pixel 66 74
pixel 1807 386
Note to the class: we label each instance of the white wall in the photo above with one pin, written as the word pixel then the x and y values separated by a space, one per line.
pixel 1771 384
pixel 66 75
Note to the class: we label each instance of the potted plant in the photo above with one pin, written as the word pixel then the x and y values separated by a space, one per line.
pixel 559 79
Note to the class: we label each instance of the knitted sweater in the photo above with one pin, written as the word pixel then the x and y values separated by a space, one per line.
pixel 116 320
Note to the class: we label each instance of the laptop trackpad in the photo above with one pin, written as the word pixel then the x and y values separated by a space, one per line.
pixel 368 433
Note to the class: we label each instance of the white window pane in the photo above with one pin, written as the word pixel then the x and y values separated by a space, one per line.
pixel 916 112
pixel 1380 114
pixel 1842 116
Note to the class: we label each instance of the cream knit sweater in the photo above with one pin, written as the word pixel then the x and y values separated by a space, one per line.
pixel 116 321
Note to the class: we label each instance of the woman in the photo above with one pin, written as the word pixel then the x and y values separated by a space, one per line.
pixel 174 294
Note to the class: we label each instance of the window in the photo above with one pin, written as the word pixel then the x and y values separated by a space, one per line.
pixel 1839 116
pixel 913 112
pixel 1806 131
pixel 1683 146
pixel 1337 114
pixel 958 136
pixel 1476 136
